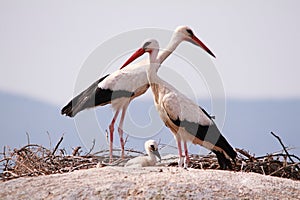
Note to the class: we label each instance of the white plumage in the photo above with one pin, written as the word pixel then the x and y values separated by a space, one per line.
pixel 187 121
pixel 135 72
pixel 120 87
pixel 151 148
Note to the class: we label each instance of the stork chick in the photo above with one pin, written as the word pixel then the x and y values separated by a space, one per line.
pixel 151 148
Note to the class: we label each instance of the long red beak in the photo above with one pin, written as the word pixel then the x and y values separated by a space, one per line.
pixel 199 43
pixel 134 56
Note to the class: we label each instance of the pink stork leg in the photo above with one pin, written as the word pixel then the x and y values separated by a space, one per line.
pixel 180 161
pixel 187 158
pixel 111 135
pixel 120 130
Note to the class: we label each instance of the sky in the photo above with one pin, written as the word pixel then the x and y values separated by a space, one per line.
pixel 48 47
pixel 45 44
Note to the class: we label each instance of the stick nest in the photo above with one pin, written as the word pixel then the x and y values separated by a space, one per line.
pixel 35 160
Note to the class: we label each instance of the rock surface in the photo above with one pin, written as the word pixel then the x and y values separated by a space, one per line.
pixel 150 183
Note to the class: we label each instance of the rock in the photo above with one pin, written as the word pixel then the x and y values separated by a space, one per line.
pixel 150 182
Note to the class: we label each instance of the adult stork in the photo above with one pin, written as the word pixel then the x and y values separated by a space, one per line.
pixel 123 85
pixel 187 120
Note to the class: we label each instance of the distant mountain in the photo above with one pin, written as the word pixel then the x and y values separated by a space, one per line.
pixel 21 114
pixel 247 125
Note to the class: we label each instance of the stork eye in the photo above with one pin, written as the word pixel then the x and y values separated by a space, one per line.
pixel 152 147
pixel 146 44
pixel 189 31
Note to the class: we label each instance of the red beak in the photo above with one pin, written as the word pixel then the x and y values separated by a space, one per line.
pixel 134 56
pixel 199 43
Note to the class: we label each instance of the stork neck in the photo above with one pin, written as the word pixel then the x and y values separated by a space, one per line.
pixel 173 44
pixel 152 156
pixel 153 67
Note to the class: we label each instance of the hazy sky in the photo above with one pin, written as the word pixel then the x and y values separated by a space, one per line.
pixel 43 44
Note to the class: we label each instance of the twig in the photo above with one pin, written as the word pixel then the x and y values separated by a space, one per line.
pixel 25 166
pixel 167 145
pixel 115 163
pixel 56 147
pixel 245 153
pixel 82 165
pixel 277 155
pixel 4 159
pixel 11 173
pixel 262 169
pixel 287 148
pixel 158 143
pixel 50 142
pixel 4 152
pixel 106 135
pixel 75 151
pixel 134 151
pixel 281 168
pixel 287 153
pixel 91 149
pixel 126 139
pixel 28 140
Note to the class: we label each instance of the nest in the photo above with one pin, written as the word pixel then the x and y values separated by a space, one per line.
pixel 35 160
pixel 274 164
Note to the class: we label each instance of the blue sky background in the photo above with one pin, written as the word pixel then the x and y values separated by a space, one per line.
pixel 43 46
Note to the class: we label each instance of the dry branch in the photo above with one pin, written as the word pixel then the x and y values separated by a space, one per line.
pixel 284 148
pixel 35 160
pixel 76 151
pixel 57 145
pixel 92 148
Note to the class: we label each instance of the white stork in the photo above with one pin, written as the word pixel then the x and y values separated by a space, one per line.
pixel 151 148
pixel 187 120
pixel 120 87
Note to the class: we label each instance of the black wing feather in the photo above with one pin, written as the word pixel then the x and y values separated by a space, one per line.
pixel 91 97
pixel 209 134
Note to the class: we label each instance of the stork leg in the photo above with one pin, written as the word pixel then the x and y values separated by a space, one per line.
pixel 111 135
pixel 186 153
pixel 120 130
pixel 180 161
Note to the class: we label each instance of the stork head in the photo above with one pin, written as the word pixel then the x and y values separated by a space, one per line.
pixel 184 33
pixel 149 46
pixel 151 147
